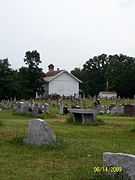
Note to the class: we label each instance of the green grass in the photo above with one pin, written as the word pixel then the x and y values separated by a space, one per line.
pixel 78 150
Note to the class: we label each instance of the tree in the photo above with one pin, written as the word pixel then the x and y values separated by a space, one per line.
pixel 121 75
pixel 32 59
pixel 8 86
pixel 31 76
pixel 113 73
pixel 93 74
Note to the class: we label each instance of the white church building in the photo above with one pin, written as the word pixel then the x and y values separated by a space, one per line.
pixel 60 82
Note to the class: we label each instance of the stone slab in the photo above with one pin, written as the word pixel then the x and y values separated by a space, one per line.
pixel 126 161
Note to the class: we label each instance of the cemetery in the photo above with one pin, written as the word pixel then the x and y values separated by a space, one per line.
pixel 67 90
pixel 60 125
pixel 51 148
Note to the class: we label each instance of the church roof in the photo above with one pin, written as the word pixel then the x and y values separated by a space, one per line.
pixel 51 75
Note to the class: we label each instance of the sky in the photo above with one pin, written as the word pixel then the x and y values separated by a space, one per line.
pixel 66 33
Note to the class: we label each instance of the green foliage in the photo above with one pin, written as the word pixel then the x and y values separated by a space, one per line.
pixel 25 83
pixel 113 72
pixel 32 59
pixel 120 74
pixel 7 85
pixel 103 72
pixel 31 76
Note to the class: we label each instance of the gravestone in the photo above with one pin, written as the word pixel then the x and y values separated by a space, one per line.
pixel 35 111
pixel 129 109
pixel 22 107
pixel 46 107
pixel 119 110
pixel 102 110
pixel 39 133
pixel 125 161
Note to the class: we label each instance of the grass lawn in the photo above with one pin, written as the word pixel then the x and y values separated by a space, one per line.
pixel 78 150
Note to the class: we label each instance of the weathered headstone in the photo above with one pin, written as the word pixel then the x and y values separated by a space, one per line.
pixel 21 107
pixel 46 107
pixel 102 110
pixel 119 110
pixel 125 161
pixel 39 133
pixel 35 110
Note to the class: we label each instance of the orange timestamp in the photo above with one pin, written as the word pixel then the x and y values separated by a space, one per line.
pixel 105 169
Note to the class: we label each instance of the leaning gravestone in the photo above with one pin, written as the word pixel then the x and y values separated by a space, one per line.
pixel 39 133
pixel 125 161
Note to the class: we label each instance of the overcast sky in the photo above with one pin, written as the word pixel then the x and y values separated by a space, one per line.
pixel 66 32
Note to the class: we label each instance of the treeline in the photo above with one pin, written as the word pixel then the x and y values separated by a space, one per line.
pixel 108 72
pixel 24 83
pixel 104 72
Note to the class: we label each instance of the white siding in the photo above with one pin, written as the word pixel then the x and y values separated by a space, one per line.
pixel 108 95
pixel 64 85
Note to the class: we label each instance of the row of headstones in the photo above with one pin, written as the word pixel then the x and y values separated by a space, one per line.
pixel 99 108
pixel 128 109
pixel 7 104
pixel 112 109
pixel 33 108
pixel 40 134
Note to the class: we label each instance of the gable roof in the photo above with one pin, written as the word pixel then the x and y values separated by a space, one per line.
pixel 52 73
pixel 55 75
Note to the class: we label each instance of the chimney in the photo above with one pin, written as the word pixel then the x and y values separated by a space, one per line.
pixel 58 69
pixel 51 67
